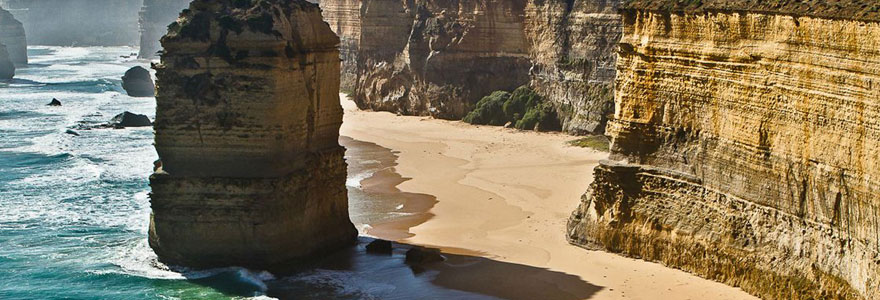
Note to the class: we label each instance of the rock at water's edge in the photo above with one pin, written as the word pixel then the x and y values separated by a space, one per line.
pixel 127 119
pixel 55 102
pixel 138 83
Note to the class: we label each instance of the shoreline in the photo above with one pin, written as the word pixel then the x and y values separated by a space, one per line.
pixel 506 195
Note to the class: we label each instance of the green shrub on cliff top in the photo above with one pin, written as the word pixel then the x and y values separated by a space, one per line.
pixel 489 110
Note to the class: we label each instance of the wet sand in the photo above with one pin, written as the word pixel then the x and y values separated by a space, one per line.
pixel 505 196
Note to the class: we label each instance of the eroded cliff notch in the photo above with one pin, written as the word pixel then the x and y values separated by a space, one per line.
pixel 744 149
pixel 247 122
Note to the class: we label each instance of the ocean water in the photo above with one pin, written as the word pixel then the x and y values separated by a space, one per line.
pixel 74 209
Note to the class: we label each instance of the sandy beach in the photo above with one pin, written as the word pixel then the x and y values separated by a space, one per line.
pixel 505 195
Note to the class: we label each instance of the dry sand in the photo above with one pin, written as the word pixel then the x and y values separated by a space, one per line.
pixel 504 196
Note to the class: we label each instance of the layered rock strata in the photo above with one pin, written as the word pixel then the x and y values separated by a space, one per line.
pixel 571 45
pixel 77 22
pixel 7 68
pixel 154 17
pixel 247 127
pixel 12 35
pixel 438 58
pixel 430 57
pixel 743 147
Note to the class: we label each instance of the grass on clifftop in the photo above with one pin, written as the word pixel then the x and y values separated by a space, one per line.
pixel 596 142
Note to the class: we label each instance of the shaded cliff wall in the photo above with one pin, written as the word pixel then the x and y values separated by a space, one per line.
pixel 430 57
pixel 247 127
pixel 12 35
pixel 572 48
pixel 743 149
pixel 440 57
pixel 7 68
pixel 153 20
pixel 78 22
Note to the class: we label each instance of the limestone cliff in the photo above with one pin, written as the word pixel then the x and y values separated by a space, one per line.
pixel 77 22
pixel 438 58
pixel 153 20
pixel 430 57
pixel 247 123
pixel 572 48
pixel 7 68
pixel 12 35
pixel 743 147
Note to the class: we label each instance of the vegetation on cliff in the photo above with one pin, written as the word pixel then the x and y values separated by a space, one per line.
pixel 868 10
pixel 522 108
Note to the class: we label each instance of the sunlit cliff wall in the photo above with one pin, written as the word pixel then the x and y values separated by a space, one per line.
pixel 247 128
pixel 744 146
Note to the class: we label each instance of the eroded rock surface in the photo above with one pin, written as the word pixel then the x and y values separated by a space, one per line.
pixel 439 58
pixel 572 47
pixel 247 127
pixel 154 17
pixel 12 35
pixel 430 57
pixel 744 149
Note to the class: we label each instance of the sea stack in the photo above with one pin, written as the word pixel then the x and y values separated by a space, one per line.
pixel 7 68
pixel 744 146
pixel 247 122
pixel 137 82
pixel 12 35
pixel 155 16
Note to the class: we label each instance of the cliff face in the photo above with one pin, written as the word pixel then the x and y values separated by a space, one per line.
pixel 77 22
pixel 247 123
pixel 12 35
pixel 572 47
pixel 430 57
pixel 7 68
pixel 154 17
pixel 743 150
pixel 439 57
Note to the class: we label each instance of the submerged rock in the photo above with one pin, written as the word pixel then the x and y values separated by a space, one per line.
pixel 127 119
pixel 138 83
pixel 7 69
pixel 247 128
pixel 71 132
pixel 55 102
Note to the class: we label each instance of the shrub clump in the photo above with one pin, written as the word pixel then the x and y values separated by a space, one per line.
pixel 523 109
pixel 489 110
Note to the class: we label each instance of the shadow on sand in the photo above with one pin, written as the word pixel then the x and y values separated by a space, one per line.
pixel 355 274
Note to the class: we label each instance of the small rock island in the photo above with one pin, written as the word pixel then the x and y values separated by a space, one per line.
pixel 247 127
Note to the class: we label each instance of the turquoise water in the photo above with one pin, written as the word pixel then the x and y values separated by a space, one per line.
pixel 75 209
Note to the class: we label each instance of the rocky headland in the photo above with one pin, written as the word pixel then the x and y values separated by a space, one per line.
pixel 153 20
pixel 247 127
pixel 743 146
pixel 12 35
pixel 439 58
